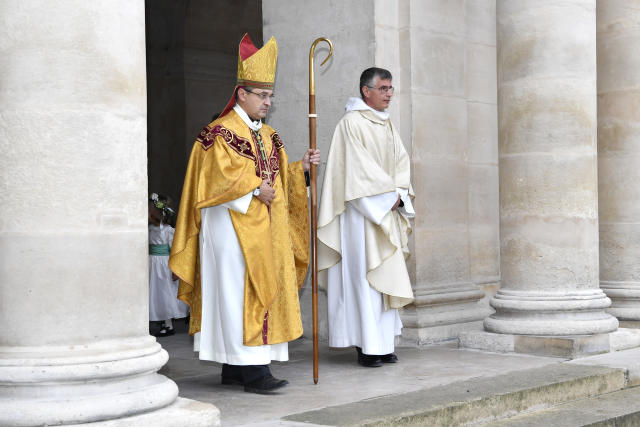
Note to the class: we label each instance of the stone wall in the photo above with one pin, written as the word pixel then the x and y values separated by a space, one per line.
pixel 442 55
pixel 350 27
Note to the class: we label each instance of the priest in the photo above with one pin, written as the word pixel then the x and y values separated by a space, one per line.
pixel 241 242
pixel 363 225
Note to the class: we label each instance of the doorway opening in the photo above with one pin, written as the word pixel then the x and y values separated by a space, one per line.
pixel 192 48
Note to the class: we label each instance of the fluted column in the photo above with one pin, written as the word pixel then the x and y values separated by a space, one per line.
pixel 548 170
pixel 619 155
pixel 74 343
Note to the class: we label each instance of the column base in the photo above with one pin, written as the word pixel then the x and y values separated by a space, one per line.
pixel 571 347
pixel 625 299
pixel 412 337
pixel 182 412
pixel 84 383
pixel 440 314
pixel 568 347
pixel 630 324
pixel 551 313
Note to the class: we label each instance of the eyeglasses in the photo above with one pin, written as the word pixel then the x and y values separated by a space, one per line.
pixel 263 95
pixel 383 89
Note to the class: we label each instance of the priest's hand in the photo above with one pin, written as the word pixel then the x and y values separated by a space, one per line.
pixel 311 156
pixel 397 204
pixel 267 193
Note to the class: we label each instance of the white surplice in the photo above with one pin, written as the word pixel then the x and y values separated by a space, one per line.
pixel 222 273
pixel 357 316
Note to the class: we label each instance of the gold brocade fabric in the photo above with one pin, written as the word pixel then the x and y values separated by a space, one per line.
pixel 226 164
pixel 259 70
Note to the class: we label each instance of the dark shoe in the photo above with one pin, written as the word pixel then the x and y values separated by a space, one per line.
pixel 369 361
pixel 232 374
pixel 389 358
pixel 165 332
pixel 229 380
pixel 265 385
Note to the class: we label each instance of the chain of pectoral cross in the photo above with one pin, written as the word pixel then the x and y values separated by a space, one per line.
pixel 263 154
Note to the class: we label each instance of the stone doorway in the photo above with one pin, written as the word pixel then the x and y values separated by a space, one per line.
pixel 191 48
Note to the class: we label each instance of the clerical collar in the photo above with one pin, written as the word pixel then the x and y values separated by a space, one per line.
pixel 245 118
pixel 357 104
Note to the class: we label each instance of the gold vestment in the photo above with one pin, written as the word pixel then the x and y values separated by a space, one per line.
pixel 226 163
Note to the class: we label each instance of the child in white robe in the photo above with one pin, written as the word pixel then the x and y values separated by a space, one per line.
pixel 163 289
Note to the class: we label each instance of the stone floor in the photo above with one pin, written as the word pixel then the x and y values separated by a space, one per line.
pixel 341 379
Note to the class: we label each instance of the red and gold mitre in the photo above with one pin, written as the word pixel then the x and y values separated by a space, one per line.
pixel 256 67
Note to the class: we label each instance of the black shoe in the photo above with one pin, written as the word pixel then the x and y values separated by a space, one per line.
pixel 369 361
pixel 265 385
pixel 165 332
pixel 389 358
pixel 230 380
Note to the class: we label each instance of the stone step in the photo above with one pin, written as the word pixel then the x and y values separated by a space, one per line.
pixel 475 401
pixel 620 408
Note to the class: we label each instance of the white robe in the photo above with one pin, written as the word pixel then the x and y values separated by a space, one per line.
pixel 163 290
pixel 222 273
pixel 357 316
pixel 359 313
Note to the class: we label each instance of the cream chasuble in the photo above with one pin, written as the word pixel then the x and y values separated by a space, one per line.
pixel 363 243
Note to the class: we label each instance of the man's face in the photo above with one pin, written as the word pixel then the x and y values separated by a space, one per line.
pixel 255 102
pixel 379 96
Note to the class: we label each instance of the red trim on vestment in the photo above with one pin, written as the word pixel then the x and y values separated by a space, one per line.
pixel 265 327
pixel 231 102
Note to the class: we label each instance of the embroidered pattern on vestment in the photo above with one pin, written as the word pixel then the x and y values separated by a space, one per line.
pixel 240 145
pixel 268 170
pixel 265 170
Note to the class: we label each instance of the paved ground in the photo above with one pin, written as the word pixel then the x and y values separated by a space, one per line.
pixel 341 379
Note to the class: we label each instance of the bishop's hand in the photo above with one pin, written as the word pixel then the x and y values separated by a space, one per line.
pixel 267 193
pixel 311 156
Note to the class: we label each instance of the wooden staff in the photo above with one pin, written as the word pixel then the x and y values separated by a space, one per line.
pixel 314 201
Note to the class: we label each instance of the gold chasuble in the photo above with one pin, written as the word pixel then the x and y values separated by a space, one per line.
pixel 227 163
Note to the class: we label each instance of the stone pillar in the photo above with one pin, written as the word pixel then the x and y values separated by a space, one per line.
pixel 447 301
pixel 482 134
pixel 619 156
pixel 548 171
pixel 74 343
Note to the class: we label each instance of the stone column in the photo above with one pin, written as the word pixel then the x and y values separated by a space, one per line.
pixel 74 343
pixel 619 156
pixel 447 301
pixel 548 171
pixel 482 134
